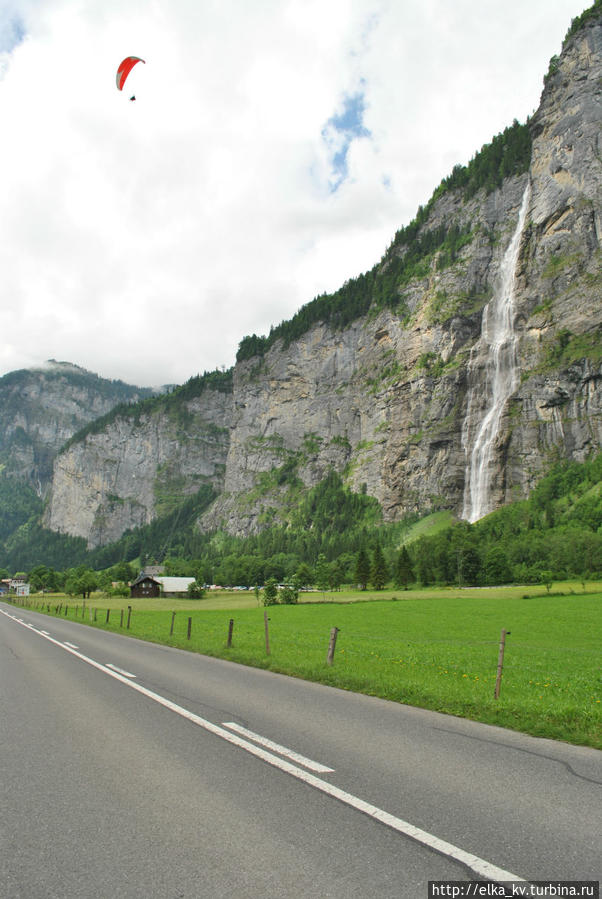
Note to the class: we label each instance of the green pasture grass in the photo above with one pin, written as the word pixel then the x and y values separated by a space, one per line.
pixel 429 526
pixel 246 599
pixel 435 649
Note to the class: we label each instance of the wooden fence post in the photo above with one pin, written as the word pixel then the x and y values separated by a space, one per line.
pixel 267 633
pixel 108 613
pixel 189 627
pixel 331 645
pixel 173 618
pixel 500 664
pixel 129 616
pixel 230 629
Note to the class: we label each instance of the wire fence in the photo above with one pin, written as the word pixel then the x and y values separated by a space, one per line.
pixel 378 662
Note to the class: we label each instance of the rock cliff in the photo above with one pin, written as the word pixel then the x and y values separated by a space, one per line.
pixel 557 410
pixel 393 399
pixel 41 408
pixel 139 464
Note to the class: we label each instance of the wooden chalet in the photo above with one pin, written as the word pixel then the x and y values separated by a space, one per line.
pixel 145 587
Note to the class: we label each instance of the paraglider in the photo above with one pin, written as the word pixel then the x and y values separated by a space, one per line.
pixel 125 67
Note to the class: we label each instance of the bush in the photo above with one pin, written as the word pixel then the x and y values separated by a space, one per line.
pixel 270 592
pixel 289 595
pixel 195 590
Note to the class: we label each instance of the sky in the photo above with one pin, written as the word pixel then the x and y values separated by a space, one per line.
pixel 272 151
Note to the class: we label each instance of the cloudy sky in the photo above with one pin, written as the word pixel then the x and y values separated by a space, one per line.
pixel 274 148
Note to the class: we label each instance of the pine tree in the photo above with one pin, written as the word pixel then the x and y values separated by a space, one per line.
pixel 404 571
pixel 362 569
pixel 378 571
pixel 336 573
pixel 322 573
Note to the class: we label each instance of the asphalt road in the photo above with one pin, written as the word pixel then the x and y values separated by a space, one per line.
pixel 141 780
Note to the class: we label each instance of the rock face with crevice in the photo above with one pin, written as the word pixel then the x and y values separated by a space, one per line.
pixel 384 401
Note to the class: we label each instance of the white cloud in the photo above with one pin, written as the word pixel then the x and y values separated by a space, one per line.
pixel 144 240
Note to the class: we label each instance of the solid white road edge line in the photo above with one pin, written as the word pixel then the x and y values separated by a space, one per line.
pixel 70 645
pixel 478 865
pixel 276 747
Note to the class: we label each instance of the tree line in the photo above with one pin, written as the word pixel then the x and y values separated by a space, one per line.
pixel 409 257
pixel 336 537
pixel 172 400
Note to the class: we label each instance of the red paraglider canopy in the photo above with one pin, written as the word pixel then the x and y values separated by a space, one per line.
pixel 125 68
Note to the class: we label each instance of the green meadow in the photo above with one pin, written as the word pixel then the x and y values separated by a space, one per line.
pixel 428 648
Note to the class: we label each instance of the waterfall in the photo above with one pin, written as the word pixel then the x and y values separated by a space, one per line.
pixel 492 378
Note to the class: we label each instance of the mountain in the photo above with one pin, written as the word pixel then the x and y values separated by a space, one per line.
pixel 41 408
pixel 451 376
pixel 141 461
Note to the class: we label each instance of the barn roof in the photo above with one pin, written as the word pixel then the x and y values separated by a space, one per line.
pixel 174 584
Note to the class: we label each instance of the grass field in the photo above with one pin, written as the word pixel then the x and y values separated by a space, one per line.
pixel 433 649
